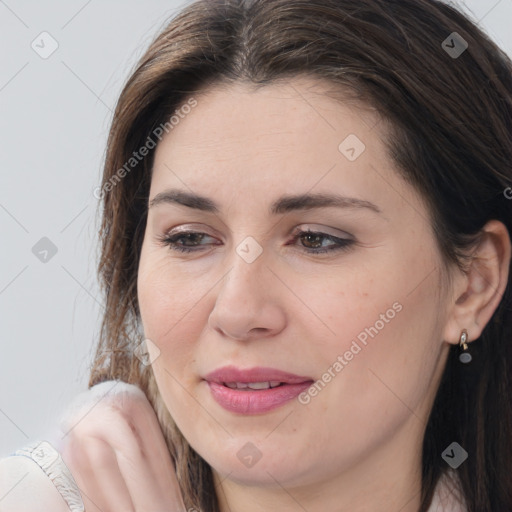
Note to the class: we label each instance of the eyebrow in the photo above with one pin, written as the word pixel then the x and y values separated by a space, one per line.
pixel 282 205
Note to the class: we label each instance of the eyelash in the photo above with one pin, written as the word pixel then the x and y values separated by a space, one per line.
pixel 342 243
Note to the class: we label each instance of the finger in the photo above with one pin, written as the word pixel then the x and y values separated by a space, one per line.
pixel 150 477
pixel 101 484
pixel 127 422
pixel 146 427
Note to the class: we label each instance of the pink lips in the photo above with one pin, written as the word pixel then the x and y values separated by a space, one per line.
pixel 254 401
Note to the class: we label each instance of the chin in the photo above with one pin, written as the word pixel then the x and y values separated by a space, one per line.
pixel 265 472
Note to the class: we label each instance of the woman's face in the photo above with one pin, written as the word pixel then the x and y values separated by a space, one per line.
pixel 356 307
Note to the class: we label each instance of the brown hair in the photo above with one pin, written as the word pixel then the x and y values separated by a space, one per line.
pixel 451 119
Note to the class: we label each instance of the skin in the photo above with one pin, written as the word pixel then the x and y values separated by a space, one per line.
pixel 356 446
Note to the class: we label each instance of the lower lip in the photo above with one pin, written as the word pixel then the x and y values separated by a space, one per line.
pixel 255 401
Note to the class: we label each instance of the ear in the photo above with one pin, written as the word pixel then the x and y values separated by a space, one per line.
pixel 478 292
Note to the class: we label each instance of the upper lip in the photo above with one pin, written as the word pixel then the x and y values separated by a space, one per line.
pixel 257 374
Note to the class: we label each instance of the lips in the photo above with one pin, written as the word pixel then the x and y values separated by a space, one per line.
pixel 254 390
pixel 259 374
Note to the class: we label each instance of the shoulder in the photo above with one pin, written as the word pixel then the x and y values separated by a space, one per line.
pixel 24 487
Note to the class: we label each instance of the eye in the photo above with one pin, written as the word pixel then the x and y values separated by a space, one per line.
pixel 185 241
pixel 312 241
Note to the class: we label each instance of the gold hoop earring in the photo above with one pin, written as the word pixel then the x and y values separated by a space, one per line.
pixel 465 356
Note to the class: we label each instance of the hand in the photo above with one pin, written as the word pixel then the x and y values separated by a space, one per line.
pixel 117 454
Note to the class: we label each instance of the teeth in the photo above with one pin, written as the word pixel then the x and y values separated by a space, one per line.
pixel 259 385
pixel 253 385
pixel 236 385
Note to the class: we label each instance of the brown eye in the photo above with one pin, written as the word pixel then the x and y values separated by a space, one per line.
pixel 312 241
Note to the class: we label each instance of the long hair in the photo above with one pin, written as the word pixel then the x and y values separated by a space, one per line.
pixel 446 90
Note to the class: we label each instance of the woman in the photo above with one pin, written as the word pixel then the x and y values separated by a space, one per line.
pixel 306 259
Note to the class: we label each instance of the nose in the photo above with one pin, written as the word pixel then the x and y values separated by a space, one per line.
pixel 248 304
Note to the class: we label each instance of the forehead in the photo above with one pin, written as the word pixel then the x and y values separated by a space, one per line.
pixel 299 105
pixel 269 125
pixel 246 146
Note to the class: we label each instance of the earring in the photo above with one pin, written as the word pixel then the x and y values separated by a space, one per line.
pixel 465 356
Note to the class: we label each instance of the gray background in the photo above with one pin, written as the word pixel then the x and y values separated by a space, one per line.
pixel 55 115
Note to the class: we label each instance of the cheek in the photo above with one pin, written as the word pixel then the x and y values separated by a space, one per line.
pixel 169 304
pixel 389 350
pixel 345 305
pixel 377 325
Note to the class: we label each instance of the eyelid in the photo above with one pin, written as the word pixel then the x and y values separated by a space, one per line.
pixel 184 228
pixel 338 233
